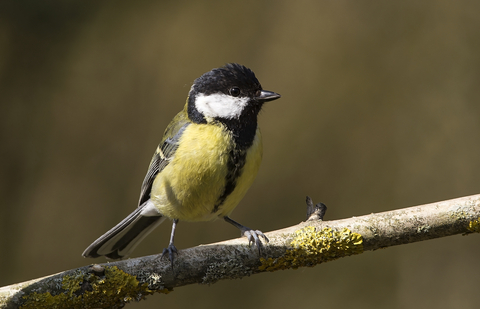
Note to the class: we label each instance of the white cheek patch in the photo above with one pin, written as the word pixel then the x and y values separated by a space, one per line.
pixel 220 105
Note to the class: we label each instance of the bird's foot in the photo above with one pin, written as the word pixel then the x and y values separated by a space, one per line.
pixel 170 252
pixel 253 237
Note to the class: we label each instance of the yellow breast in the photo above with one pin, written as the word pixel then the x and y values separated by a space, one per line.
pixel 191 184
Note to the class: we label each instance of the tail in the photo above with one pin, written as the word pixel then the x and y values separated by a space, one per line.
pixel 125 236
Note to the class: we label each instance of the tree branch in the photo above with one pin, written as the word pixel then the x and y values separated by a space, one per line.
pixel 309 243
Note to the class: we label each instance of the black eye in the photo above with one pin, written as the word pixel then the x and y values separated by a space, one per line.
pixel 234 92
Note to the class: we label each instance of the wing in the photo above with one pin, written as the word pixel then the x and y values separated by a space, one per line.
pixel 164 153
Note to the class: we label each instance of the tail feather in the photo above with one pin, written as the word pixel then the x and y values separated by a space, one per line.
pixel 118 242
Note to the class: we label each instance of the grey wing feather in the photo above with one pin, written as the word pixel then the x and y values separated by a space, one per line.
pixel 164 154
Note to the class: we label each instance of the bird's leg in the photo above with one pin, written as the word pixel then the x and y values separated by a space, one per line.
pixel 171 250
pixel 252 235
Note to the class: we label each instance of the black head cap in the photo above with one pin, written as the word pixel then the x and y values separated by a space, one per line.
pixel 222 80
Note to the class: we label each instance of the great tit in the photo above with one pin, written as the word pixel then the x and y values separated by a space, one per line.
pixel 208 158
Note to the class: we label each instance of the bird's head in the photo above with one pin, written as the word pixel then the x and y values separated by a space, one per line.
pixel 229 93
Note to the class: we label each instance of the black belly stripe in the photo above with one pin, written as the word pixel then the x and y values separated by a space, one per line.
pixel 236 161
pixel 242 133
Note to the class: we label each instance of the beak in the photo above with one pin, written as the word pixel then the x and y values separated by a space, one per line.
pixel 266 96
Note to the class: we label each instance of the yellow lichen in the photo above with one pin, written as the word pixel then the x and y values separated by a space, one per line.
pixel 311 247
pixel 474 226
pixel 86 290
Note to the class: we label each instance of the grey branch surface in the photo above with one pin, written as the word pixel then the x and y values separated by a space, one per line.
pixel 111 285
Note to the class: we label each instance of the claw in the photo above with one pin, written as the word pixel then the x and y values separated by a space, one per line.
pixel 171 251
pixel 253 236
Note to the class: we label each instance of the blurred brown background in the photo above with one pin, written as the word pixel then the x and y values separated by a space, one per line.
pixel 380 110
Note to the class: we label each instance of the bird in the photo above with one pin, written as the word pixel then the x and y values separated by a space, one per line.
pixel 208 158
